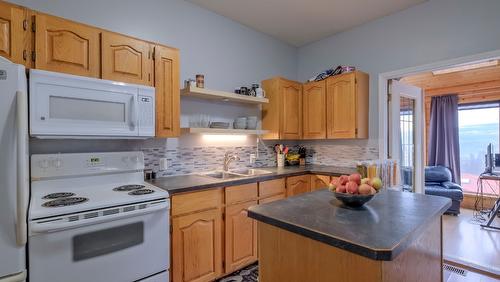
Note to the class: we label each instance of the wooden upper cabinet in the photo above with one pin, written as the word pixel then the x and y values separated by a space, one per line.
pixel 319 181
pixel 166 82
pixel 314 110
pixel 66 46
pixel 126 59
pixel 282 116
pixel 297 185
pixel 347 106
pixel 292 110
pixel 197 246
pixel 240 236
pixel 14 33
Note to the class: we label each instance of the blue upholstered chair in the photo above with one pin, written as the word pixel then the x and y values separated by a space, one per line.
pixel 438 183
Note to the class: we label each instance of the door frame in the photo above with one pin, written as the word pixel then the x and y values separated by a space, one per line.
pixel 383 78
pixel 419 123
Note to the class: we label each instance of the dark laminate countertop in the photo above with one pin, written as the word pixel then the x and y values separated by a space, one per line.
pixel 380 230
pixel 192 182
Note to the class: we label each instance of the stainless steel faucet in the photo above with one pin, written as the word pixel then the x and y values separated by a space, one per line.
pixel 228 158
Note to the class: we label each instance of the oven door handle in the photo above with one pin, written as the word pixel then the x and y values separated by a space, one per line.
pixel 55 226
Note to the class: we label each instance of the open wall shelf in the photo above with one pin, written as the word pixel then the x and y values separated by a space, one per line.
pixel 228 131
pixel 208 94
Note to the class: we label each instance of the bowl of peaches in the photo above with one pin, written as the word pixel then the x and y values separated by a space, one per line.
pixel 354 191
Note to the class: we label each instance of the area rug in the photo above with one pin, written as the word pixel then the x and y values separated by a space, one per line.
pixel 247 274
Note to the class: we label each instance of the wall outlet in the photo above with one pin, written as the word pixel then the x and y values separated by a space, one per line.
pixel 163 163
pixel 253 157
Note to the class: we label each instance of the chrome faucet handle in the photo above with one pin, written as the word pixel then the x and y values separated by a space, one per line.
pixel 228 157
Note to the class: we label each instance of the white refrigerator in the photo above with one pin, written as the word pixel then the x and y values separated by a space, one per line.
pixel 14 174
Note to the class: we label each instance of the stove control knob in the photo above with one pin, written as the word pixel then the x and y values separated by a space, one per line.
pixel 43 164
pixel 134 159
pixel 124 159
pixel 57 163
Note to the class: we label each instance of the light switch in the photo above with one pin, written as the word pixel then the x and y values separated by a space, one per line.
pixel 253 157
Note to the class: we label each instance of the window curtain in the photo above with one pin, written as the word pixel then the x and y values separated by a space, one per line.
pixel 443 134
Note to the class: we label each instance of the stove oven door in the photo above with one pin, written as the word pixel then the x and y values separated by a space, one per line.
pixel 126 249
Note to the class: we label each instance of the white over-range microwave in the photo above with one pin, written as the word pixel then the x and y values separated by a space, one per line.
pixel 69 106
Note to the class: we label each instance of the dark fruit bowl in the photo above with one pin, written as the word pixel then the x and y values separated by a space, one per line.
pixel 351 200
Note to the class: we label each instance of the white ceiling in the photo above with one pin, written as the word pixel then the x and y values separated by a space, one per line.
pixel 299 22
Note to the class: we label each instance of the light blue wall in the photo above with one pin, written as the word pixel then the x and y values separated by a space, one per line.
pixel 228 53
pixel 433 31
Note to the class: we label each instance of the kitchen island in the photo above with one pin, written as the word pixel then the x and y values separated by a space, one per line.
pixel 397 236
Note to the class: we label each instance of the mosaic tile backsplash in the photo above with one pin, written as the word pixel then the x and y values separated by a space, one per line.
pixel 187 160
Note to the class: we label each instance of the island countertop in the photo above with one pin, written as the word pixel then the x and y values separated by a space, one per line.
pixel 379 230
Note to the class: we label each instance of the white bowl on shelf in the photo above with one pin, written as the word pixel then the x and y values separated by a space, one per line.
pixel 251 122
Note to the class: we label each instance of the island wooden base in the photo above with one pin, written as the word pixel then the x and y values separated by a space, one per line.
pixel 286 256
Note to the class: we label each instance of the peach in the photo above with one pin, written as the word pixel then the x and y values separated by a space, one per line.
pixel 352 187
pixel 373 191
pixel 355 177
pixel 376 183
pixel 343 179
pixel 332 187
pixel 365 180
pixel 341 189
pixel 365 189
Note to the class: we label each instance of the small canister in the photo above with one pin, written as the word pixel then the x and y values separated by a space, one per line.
pixel 200 81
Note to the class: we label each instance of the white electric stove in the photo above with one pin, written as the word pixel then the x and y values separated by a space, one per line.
pixel 93 218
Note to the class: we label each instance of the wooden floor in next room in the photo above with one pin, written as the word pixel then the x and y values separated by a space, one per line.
pixel 469 246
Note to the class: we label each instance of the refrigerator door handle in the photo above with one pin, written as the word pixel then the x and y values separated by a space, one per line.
pixel 22 168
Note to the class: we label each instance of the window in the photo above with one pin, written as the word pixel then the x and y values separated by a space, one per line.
pixel 478 126
pixel 407 111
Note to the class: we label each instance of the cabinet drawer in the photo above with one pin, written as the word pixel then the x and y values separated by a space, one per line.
pixel 272 198
pixel 241 193
pixel 271 187
pixel 196 201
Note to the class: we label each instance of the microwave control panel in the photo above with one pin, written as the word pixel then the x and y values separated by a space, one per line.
pixel 146 106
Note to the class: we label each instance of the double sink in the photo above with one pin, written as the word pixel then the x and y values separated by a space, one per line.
pixel 235 174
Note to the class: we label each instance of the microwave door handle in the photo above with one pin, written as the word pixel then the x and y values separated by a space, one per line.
pixel 22 167
pixel 49 227
pixel 133 113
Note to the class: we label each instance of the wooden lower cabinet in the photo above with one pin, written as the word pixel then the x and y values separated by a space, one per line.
pixel 296 185
pixel 319 181
pixel 197 246
pixel 272 187
pixel 240 237
pixel 272 199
